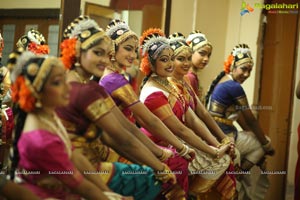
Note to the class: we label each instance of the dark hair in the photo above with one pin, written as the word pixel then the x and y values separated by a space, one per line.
pixel 145 79
pixel 213 85
pixel 20 116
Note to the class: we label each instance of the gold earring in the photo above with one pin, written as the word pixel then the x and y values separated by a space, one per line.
pixel 38 103
pixel 112 58
pixel 77 64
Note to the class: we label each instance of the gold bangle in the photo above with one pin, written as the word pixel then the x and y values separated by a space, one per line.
pixel 163 156
pixel 184 151
pixel 226 140
pixel 217 155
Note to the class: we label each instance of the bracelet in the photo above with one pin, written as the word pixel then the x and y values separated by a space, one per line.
pixel 163 156
pixel 267 146
pixel 184 150
pixel 225 140
pixel 217 155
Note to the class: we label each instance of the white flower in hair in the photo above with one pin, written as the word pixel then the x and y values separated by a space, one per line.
pixel 21 61
pixel 35 36
pixel 84 25
pixel 240 50
pixel 177 39
pixel 110 30
pixel 191 37
pixel 153 40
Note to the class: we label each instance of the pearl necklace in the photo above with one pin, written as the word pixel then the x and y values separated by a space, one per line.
pixel 57 128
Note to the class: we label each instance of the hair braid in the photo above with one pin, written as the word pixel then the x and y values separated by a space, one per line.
pixel 213 85
pixel 20 116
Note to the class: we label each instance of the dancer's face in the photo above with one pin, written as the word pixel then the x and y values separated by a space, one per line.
pixel 201 57
pixel 95 59
pixel 164 63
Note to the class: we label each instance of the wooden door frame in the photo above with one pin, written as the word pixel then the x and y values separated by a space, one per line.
pixel 277 90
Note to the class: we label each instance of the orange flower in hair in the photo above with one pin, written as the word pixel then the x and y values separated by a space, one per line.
pixel 68 52
pixel 145 65
pixel 22 95
pixel 38 49
pixel 150 31
pixel 228 63
pixel 153 37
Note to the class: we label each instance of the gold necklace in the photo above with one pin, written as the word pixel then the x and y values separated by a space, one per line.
pixel 113 68
pixel 170 88
pixel 186 90
pixel 81 79
pixel 57 128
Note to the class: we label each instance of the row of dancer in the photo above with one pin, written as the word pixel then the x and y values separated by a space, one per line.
pixel 184 137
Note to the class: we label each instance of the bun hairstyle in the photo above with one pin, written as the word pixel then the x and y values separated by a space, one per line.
pixel 152 43
pixel 240 54
pixel 178 43
pixel 196 40
pixel 34 41
pixel 82 34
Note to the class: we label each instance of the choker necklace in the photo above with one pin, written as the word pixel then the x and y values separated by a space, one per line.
pixel 113 68
pixel 170 88
pixel 57 128
pixel 80 78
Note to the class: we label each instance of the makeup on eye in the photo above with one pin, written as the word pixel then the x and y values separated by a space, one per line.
pixel 99 52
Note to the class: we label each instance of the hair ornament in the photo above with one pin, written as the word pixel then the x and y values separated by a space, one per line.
pixel 82 28
pixel 196 40
pixel 152 42
pixel 17 61
pixel 34 41
pixel 119 31
pixel 240 54
pixel 178 43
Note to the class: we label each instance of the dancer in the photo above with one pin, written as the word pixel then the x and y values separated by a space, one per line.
pixel 207 125
pixel 202 50
pixel 85 52
pixel 43 155
pixel 227 102
pixel 163 100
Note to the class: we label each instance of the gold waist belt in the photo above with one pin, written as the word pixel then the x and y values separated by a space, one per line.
pixel 223 121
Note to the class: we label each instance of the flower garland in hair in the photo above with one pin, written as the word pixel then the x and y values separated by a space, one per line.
pixel 145 65
pixel 38 49
pixel 22 95
pixel 228 63
pixel 68 52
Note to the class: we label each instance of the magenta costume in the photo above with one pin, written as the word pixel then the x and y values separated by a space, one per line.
pixel 43 156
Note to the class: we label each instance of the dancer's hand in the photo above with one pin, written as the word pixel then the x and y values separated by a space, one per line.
pixel 268 148
pixel 166 175
pixel 166 154
pixel 115 196
pixel 188 153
